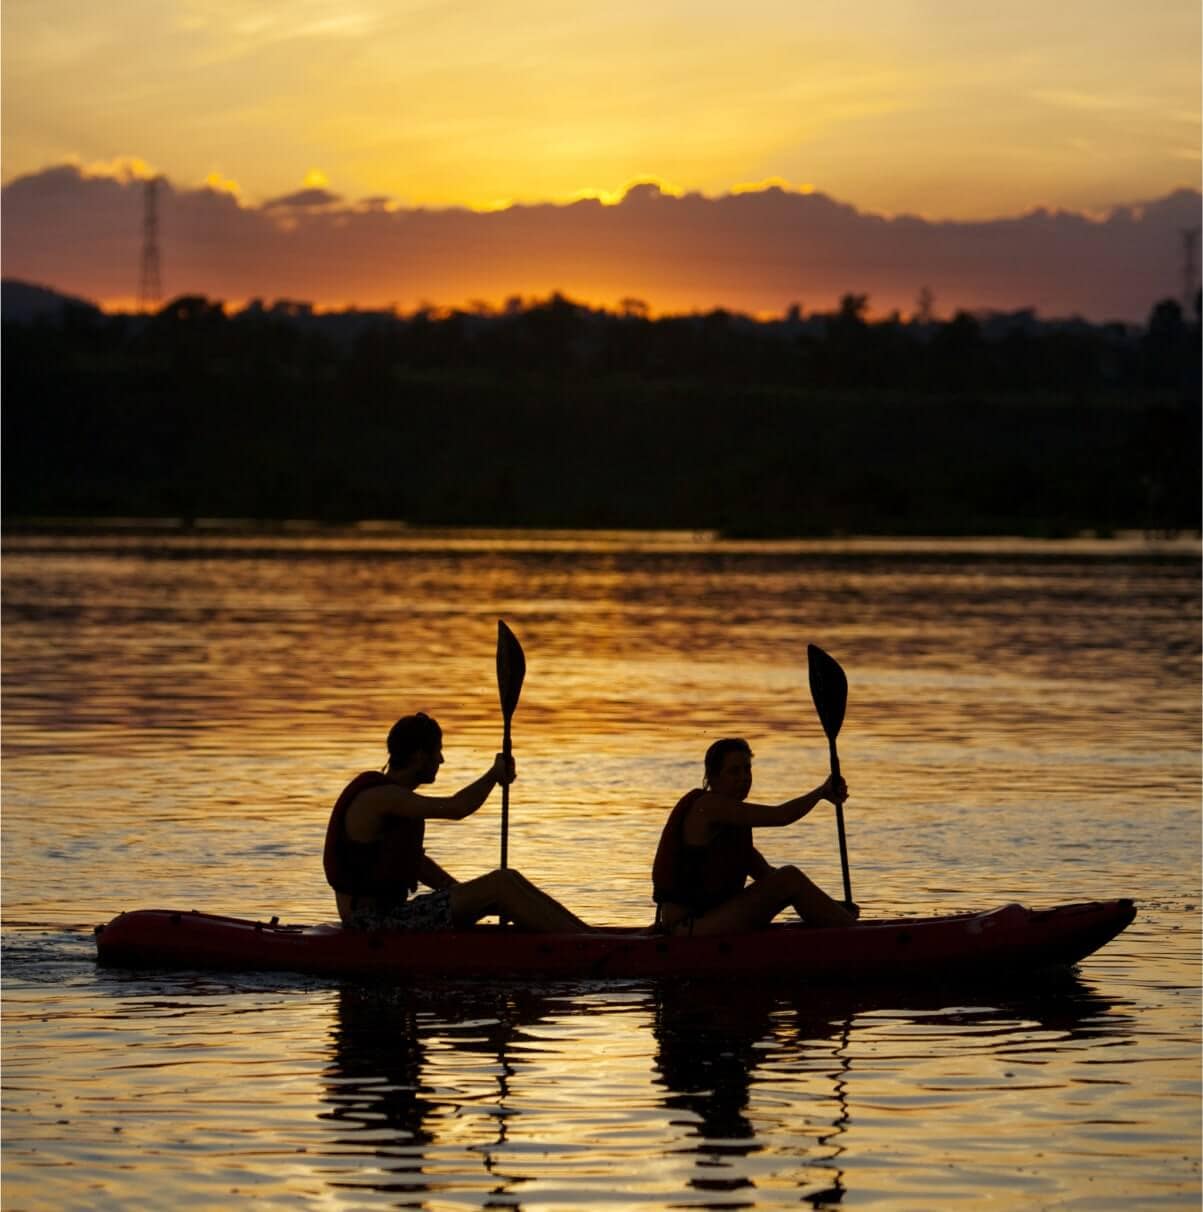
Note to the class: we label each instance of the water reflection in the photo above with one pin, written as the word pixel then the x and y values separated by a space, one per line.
pixel 670 1095
pixel 759 1084
pixel 394 1105
pixel 754 1071
pixel 375 1082
pixel 711 1043
pixel 252 632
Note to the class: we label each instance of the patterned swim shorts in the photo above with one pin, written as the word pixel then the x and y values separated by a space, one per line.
pixel 431 911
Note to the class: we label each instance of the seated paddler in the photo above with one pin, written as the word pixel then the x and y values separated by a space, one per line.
pixel 706 856
pixel 375 856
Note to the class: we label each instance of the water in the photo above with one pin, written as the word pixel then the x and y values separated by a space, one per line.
pixel 181 709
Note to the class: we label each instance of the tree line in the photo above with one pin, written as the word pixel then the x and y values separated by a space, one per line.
pixel 553 413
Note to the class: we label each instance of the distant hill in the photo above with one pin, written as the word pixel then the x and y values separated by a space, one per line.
pixel 24 302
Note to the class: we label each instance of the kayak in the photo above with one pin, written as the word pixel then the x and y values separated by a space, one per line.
pixel 1010 940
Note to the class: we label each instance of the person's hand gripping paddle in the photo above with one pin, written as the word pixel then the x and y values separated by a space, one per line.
pixel 829 689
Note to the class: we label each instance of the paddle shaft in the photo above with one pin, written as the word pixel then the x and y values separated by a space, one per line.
pixel 507 748
pixel 839 822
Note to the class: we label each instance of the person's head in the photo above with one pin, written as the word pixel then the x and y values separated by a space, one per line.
pixel 729 767
pixel 415 743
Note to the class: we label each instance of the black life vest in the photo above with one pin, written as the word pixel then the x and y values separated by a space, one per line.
pixel 700 877
pixel 386 868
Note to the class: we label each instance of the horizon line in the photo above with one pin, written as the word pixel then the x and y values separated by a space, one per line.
pixel 130 306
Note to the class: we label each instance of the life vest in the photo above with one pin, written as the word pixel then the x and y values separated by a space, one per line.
pixel 386 868
pixel 700 877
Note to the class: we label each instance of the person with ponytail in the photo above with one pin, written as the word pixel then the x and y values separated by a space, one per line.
pixel 706 855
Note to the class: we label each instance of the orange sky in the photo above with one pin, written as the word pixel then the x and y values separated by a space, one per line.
pixel 929 108
pixel 942 109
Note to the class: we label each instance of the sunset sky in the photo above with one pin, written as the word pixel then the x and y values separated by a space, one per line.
pixel 939 109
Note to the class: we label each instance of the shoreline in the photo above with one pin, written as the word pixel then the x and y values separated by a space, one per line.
pixel 16 533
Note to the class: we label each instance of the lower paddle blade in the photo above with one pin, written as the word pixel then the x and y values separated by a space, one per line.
pixel 511 668
pixel 828 688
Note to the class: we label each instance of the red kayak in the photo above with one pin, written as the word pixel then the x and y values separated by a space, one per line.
pixel 1011 940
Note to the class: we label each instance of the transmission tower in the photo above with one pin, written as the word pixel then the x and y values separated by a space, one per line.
pixel 149 287
pixel 1190 273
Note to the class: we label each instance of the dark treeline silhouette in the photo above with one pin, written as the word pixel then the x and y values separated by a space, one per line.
pixel 549 413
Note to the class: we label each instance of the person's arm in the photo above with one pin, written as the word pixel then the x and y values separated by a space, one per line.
pixel 759 867
pixel 370 806
pixel 719 810
pixel 460 805
pixel 433 876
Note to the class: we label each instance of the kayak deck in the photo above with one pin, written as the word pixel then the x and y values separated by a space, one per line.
pixel 1010 940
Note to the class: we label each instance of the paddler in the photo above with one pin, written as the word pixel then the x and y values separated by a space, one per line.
pixel 375 859
pixel 706 856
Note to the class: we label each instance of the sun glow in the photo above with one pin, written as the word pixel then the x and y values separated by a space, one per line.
pixel 755 187
pixel 615 197
pixel 222 185
pixel 120 168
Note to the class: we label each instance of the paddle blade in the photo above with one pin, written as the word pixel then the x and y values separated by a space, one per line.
pixel 828 688
pixel 511 668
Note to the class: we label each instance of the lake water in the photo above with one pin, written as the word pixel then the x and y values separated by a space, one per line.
pixel 181 709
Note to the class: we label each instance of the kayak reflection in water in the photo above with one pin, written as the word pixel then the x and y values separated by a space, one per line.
pixel 374 856
pixel 706 854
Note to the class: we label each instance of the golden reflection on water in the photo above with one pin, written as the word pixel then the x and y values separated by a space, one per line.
pixel 591 1098
pixel 180 712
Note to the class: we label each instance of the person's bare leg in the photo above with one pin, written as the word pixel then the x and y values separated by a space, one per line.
pixel 813 905
pixel 757 905
pixel 511 894
pixel 751 909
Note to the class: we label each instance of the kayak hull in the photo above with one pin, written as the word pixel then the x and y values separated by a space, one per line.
pixel 1008 940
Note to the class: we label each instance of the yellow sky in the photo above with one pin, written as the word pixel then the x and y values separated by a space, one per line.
pixel 944 108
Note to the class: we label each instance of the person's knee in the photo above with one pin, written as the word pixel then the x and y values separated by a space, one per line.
pixel 795 881
pixel 506 879
pixel 492 882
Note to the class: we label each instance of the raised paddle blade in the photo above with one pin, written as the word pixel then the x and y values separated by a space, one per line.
pixel 828 688
pixel 511 668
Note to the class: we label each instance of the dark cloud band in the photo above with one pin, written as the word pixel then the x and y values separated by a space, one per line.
pixel 757 251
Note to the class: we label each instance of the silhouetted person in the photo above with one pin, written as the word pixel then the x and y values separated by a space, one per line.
pixel 706 855
pixel 375 858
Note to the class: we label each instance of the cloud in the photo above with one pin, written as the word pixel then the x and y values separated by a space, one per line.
pixel 304 198
pixel 756 250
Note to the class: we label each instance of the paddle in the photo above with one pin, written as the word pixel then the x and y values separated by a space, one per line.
pixel 829 689
pixel 511 669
